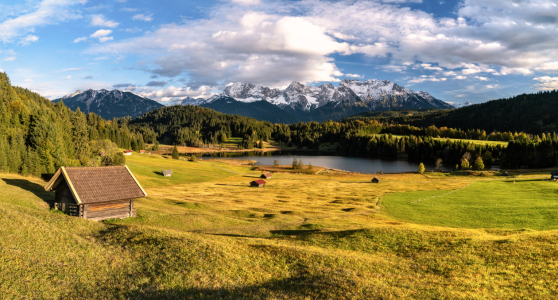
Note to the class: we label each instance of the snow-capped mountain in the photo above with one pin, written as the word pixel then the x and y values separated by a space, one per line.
pixel 460 105
pixel 192 101
pixel 371 95
pixel 109 104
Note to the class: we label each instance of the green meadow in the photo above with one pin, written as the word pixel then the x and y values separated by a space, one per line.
pixel 205 234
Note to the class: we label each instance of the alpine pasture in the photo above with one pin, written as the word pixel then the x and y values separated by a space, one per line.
pixel 205 234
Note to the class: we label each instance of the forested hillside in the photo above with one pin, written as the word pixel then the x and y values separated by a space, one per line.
pixel 37 136
pixel 530 113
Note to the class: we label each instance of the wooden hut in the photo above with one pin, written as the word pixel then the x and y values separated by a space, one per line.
pixel 128 152
pixel 554 175
pixel 375 180
pixel 266 175
pixel 258 183
pixel 96 193
pixel 167 173
pixel 142 151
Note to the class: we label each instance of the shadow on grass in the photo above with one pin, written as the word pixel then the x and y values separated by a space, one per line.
pixel 295 232
pixel 158 173
pixel 32 187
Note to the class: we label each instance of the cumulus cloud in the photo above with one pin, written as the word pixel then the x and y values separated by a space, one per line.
pixel 28 40
pixel 175 93
pixel 81 39
pixel 101 33
pixel 100 21
pixel 547 83
pixel 275 44
pixel 143 17
pixel 45 13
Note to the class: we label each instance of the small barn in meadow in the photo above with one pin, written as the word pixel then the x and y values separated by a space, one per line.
pixel 95 193
pixel 128 152
pixel 167 173
pixel 266 175
pixel 257 183
pixel 142 151
pixel 375 180
pixel 554 174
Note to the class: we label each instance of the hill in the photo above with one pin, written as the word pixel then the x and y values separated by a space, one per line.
pixel 531 113
pixel 205 234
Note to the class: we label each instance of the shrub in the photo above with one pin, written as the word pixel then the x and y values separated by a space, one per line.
pixel 119 159
pixel 421 168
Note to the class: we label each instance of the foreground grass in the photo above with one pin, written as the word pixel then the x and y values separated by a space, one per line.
pixel 204 234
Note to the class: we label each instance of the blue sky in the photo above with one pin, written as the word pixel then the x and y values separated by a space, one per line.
pixel 458 51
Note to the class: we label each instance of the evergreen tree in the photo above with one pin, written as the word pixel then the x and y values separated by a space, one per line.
pixel 300 164
pixel 421 168
pixel 193 158
pixel 175 154
pixel 310 166
pixel 275 163
pixel 464 164
pixel 295 163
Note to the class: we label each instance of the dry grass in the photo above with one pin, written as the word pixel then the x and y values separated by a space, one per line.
pixel 205 234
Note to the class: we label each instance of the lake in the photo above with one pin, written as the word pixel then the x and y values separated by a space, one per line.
pixel 352 164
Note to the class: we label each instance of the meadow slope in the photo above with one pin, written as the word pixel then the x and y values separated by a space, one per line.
pixel 205 234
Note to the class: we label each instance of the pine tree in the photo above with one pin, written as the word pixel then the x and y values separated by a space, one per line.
pixel 300 164
pixel 421 168
pixel 295 163
pixel 175 154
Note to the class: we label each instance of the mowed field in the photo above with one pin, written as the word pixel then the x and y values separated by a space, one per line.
pixel 205 234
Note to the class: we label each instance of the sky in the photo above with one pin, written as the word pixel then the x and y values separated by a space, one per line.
pixel 458 51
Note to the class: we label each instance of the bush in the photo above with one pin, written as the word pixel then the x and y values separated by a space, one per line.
pixel 275 163
pixel 193 158
pixel 478 164
pixel 119 159
pixel 421 168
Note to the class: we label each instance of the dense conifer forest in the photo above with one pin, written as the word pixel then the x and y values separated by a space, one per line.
pixel 533 113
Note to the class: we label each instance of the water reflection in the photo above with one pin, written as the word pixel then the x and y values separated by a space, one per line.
pixel 353 164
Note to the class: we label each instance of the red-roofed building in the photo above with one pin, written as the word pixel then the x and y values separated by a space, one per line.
pixel 258 183
pixel 128 152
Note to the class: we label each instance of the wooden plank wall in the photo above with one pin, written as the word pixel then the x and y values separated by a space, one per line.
pixel 108 210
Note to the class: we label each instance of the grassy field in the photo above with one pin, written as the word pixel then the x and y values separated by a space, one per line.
pixel 205 234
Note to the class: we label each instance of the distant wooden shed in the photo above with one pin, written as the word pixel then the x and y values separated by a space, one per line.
pixel 96 193
pixel 266 175
pixel 167 173
pixel 375 180
pixel 128 152
pixel 554 174
pixel 257 183
pixel 142 151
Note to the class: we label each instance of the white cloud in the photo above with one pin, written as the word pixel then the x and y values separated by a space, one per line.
pixel 424 78
pixel 460 77
pixel 284 41
pixel 481 78
pixel 45 13
pixel 100 21
pixel 69 77
pixel 28 80
pixel 246 2
pixel 100 33
pixel 129 9
pixel 174 93
pixel 11 58
pixel 492 86
pixel 80 39
pixel 105 39
pixel 353 75
pixel 143 17
pixel 547 83
pixel 28 40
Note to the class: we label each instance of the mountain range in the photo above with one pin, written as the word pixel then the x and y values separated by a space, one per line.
pixel 297 102
pixel 109 104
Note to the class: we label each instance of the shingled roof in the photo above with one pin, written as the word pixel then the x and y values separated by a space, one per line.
pixel 98 184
